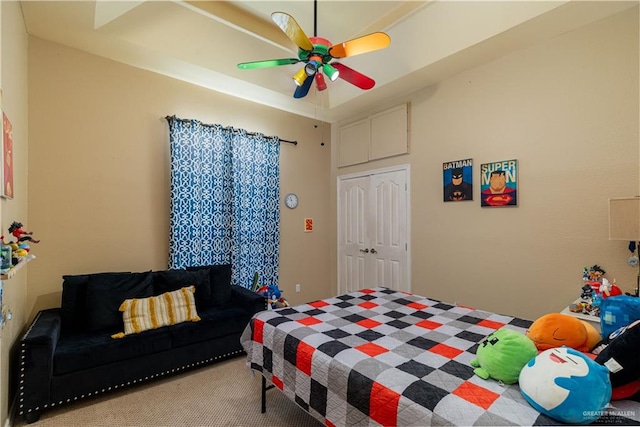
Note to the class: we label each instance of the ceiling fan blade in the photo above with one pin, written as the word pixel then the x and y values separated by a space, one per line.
pixel 267 63
pixel 364 44
pixel 292 30
pixel 301 91
pixel 352 76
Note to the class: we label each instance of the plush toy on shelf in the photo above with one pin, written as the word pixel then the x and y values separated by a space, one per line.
pixel 608 289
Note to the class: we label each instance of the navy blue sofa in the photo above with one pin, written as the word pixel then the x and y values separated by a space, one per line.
pixel 68 353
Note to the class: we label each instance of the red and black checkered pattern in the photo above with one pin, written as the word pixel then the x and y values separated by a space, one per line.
pixel 382 357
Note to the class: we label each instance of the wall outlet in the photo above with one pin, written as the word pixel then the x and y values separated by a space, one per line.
pixel 297 287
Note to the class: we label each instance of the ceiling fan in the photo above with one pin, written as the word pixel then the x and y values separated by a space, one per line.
pixel 318 53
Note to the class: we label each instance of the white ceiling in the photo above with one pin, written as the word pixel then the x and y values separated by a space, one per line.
pixel 202 41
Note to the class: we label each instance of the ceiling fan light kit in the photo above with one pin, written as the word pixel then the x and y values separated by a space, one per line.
pixel 320 83
pixel 300 77
pixel 317 54
pixel 331 72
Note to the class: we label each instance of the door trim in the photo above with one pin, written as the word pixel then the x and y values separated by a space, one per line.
pixel 398 168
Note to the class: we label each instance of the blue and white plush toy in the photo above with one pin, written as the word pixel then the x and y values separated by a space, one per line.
pixel 566 385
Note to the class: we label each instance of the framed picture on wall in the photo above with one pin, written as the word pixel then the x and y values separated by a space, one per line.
pixel 457 180
pixel 499 183
pixel 7 158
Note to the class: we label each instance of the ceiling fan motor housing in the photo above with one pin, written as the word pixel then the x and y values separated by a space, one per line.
pixel 320 52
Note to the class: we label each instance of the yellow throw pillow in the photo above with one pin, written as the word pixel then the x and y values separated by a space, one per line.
pixel 154 312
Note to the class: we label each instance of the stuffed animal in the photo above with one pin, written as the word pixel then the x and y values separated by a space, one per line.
pixel 273 295
pixel 619 353
pixel 566 385
pixel 502 355
pixel 608 289
pixel 557 330
pixel 617 312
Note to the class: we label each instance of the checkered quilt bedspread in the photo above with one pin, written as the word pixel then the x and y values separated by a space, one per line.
pixel 381 357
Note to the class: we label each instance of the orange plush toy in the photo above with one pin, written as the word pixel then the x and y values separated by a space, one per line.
pixel 557 330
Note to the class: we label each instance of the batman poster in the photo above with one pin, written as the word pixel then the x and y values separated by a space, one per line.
pixel 458 180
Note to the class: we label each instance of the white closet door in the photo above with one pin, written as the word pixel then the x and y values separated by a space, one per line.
pixel 387 227
pixel 373 229
pixel 352 224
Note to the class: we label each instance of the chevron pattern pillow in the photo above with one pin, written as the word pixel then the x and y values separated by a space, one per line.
pixel 143 314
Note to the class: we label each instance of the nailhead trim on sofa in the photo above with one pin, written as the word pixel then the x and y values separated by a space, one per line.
pixel 22 362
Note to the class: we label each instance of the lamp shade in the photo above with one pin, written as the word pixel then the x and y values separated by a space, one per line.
pixel 624 219
pixel 300 76
pixel 320 83
pixel 331 72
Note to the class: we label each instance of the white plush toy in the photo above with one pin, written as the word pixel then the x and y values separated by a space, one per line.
pixel 566 385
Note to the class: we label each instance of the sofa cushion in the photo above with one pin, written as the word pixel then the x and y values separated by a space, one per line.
pixel 215 322
pixel 89 349
pixel 106 292
pixel 171 280
pixel 74 305
pixel 220 278
pixel 169 308
pixel 74 302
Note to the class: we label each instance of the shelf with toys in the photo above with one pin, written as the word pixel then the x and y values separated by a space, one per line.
pixel 595 288
pixel 16 254
pixel 8 274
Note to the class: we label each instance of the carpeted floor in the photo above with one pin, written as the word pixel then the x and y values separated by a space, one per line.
pixel 223 394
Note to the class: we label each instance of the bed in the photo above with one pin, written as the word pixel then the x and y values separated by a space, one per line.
pixel 383 357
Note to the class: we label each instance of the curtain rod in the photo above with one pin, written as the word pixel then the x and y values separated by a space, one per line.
pixel 169 118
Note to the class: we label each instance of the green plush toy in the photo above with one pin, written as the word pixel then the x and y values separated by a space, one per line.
pixel 502 355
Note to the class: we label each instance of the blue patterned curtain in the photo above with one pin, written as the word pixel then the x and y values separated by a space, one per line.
pixel 225 191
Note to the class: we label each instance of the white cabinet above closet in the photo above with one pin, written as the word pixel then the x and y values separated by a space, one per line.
pixel 378 136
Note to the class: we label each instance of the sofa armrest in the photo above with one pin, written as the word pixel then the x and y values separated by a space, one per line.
pixel 248 300
pixel 37 347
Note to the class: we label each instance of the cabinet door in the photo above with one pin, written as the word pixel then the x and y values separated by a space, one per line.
pixel 353 143
pixel 389 133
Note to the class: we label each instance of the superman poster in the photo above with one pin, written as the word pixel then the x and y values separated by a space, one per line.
pixel 499 183
pixel 458 180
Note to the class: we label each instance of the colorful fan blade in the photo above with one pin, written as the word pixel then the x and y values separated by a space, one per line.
pixel 292 30
pixel 353 77
pixel 267 63
pixel 364 44
pixel 301 91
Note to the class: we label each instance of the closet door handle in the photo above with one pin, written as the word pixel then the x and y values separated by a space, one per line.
pixel 366 251
pixel 373 251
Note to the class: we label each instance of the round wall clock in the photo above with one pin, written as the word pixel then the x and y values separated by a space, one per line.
pixel 291 200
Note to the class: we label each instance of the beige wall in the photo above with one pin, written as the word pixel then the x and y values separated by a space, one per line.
pixel 13 61
pixel 99 174
pixel 567 109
